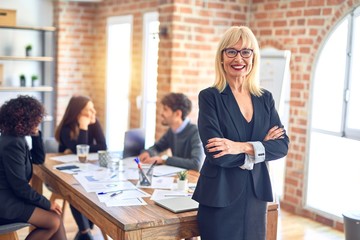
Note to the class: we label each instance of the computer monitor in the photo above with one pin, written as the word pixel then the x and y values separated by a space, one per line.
pixel 134 142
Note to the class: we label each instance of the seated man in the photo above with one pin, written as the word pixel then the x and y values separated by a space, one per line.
pixel 182 136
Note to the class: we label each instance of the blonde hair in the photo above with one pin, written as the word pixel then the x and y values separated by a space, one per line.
pixel 229 39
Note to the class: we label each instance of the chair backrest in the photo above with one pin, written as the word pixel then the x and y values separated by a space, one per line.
pixel 134 142
pixel 51 145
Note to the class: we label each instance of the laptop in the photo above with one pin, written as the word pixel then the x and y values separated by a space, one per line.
pixel 178 204
pixel 134 142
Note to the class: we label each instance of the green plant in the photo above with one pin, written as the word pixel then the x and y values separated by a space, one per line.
pixel 22 80
pixel 182 175
pixel 28 47
pixel 34 77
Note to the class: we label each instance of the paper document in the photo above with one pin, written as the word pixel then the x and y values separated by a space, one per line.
pixel 126 202
pixel 166 170
pixel 159 182
pixel 91 183
pixel 120 195
pixel 73 158
pixel 162 194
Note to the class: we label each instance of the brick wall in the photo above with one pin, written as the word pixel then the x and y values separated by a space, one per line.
pixel 75 52
pixel 186 56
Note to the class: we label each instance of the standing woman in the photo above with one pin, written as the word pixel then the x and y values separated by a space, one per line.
pixel 241 131
pixel 80 126
pixel 20 117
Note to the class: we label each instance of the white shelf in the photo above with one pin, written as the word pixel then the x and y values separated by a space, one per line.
pixel 46 62
pixel 15 58
pixel 27 89
pixel 47 29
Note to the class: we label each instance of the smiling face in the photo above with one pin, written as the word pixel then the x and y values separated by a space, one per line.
pixel 237 67
pixel 167 116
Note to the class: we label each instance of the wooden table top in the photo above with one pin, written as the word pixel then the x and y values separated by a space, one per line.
pixel 149 219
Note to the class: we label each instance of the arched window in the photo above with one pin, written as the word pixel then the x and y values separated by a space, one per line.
pixel 333 179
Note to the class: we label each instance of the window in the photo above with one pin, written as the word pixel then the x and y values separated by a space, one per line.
pixel 333 169
pixel 150 67
pixel 119 36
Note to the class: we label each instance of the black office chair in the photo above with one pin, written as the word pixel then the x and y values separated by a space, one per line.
pixel 134 142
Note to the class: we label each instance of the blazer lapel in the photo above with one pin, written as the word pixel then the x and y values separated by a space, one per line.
pixel 233 110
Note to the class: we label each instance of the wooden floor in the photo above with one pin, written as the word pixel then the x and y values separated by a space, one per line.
pixel 291 227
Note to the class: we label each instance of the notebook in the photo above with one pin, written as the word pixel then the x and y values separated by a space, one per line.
pixel 134 142
pixel 178 205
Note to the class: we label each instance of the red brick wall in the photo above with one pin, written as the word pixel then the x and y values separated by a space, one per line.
pixel 75 52
pixel 186 56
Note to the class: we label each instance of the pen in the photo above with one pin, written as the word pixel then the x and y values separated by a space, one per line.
pixel 103 193
pixel 151 167
pixel 116 193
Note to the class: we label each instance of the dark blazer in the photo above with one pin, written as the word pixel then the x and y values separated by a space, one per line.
pixel 221 180
pixel 15 173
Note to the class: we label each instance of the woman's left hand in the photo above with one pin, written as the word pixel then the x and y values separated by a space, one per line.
pixel 55 208
pixel 274 133
pixel 223 146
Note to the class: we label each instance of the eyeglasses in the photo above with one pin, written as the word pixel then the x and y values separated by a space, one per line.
pixel 232 52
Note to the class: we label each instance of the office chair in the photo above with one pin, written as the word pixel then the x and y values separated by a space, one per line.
pixel 8 231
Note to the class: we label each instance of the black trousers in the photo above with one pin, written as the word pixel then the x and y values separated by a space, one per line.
pixel 245 219
pixel 81 221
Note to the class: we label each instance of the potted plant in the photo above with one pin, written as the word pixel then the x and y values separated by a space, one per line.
pixel 182 180
pixel 22 80
pixel 34 79
pixel 28 49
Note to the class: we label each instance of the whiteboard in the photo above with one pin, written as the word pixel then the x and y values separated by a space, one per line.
pixel 275 77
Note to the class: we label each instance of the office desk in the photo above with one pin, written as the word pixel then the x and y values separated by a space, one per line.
pixel 149 222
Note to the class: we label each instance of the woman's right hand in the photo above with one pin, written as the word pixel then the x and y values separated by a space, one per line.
pixel 274 133
pixel 84 121
pixel 55 208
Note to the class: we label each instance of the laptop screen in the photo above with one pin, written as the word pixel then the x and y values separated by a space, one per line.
pixel 134 142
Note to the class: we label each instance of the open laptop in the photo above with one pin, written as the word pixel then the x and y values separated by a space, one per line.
pixel 134 142
pixel 178 204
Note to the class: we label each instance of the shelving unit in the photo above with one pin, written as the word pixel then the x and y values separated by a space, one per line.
pixel 47 76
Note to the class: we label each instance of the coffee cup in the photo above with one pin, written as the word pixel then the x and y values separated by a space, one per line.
pixel 104 157
pixel 82 151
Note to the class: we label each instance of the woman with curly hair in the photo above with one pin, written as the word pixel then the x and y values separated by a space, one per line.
pixel 20 117
pixel 80 126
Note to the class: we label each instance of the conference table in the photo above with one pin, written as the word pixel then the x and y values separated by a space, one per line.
pixel 146 222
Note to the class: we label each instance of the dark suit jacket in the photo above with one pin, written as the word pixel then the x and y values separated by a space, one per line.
pixel 15 173
pixel 221 180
